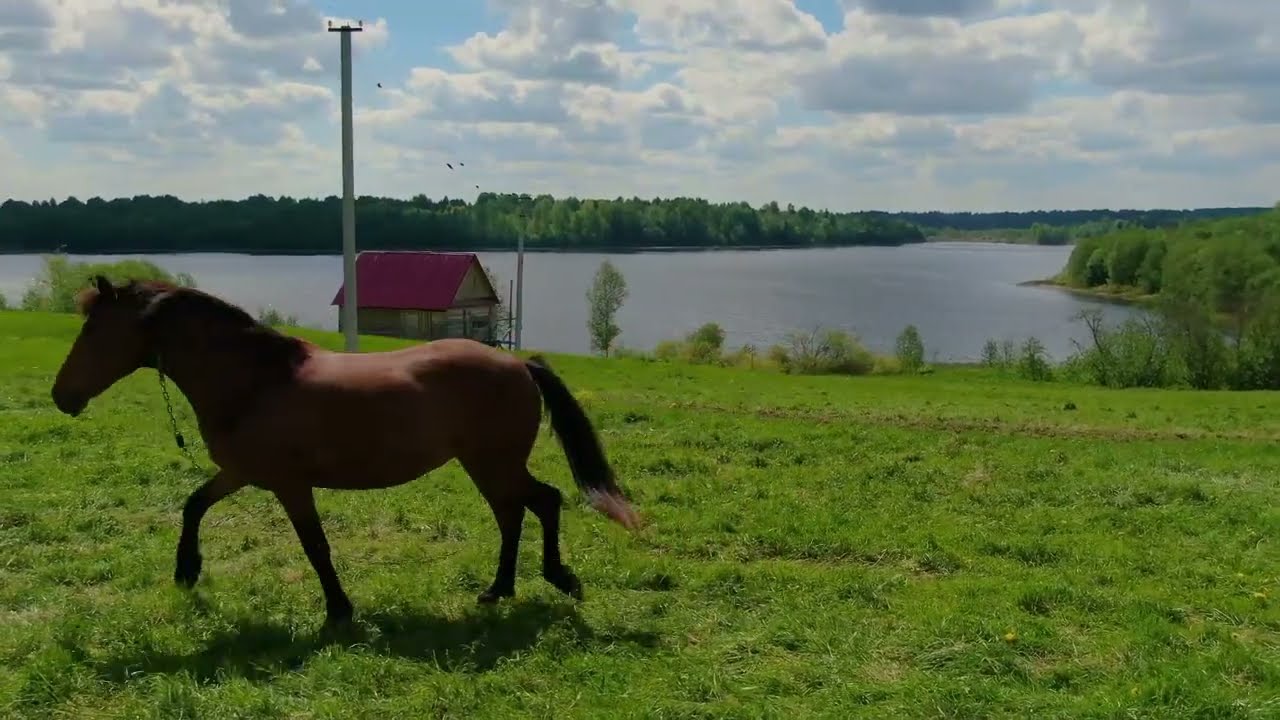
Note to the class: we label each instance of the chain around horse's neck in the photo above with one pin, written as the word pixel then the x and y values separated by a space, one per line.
pixel 173 420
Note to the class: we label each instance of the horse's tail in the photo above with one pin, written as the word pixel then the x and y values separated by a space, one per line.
pixel 581 447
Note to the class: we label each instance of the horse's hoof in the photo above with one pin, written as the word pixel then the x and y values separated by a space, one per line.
pixel 187 572
pixel 336 623
pixel 338 619
pixel 491 596
pixel 566 582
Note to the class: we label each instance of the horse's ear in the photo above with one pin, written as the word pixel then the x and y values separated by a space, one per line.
pixel 105 288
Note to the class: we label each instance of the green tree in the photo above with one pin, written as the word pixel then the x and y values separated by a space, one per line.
pixel 608 290
pixel 910 349
pixel 705 344
pixel 1126 257
pixel 1151 272
pixel 1077 270
pixel 1096 270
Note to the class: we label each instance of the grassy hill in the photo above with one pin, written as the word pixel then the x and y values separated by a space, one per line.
pixel 956 545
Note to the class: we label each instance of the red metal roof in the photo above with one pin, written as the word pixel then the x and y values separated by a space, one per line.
pixel 408 280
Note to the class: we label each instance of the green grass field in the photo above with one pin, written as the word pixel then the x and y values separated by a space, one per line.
pixel 955 545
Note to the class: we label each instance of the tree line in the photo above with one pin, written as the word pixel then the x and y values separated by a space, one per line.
pixel 261 224
pixel 1089 221
pixel 1222 263
pixel 286 225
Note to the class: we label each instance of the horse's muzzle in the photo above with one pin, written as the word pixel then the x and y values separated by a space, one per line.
pixel 69 403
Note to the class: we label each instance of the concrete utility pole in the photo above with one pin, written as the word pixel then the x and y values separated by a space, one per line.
pixel 349 305
pixel 519 288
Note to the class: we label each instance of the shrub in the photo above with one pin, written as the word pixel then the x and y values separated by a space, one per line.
pixel 620 351
pixel 778 356
pixel 998 353
pixel 1258 361
pixel 1135 355
pixel 705 344
pixel 1033 363
pixel 828 352
pixel 668 350
pixel 275 318
pixel 1196 343
pixel 886 365
pixel 56 287
pixel 745 357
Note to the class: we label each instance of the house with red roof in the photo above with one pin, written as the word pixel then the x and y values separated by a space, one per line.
pixel 423 295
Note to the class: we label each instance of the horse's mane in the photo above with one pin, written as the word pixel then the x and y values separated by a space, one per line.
pixel 163 303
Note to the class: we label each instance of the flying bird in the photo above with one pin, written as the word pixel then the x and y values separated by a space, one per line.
pixel 379 84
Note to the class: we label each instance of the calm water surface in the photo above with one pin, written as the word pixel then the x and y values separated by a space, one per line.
pixel 957 294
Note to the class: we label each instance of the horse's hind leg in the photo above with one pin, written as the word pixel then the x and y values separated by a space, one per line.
pixel 300 505
pixel 545 501
pixel 505 496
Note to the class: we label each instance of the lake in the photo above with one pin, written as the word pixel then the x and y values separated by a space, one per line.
pixel 957 294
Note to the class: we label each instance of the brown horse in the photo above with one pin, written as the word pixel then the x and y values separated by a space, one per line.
pixel 284 415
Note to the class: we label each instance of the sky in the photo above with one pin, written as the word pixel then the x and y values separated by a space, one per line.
pixel 975 105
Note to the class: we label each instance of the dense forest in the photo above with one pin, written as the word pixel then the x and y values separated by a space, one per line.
pixel 1219 261
pixel 1215 289
pixel 262 224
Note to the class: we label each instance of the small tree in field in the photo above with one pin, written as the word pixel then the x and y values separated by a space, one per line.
pixel 910 349
pixel 605 296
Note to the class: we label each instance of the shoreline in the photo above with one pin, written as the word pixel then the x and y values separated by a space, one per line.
pixel 585 250
pixel 1124 296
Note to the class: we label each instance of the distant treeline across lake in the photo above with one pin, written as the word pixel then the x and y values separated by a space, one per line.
pixel 288 226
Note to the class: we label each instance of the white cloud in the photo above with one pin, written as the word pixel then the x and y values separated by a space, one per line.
pixel 903 103
pixel 744 25
pixel 923 8
pixel 568 40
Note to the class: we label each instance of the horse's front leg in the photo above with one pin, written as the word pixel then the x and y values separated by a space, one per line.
pixel 300 505
pixel 187 567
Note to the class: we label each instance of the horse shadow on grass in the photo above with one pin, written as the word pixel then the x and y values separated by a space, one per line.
pixel 473 643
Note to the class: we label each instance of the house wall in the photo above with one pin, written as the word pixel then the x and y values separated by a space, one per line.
pixel 474 288
pixel 376 321
pixel 474 322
